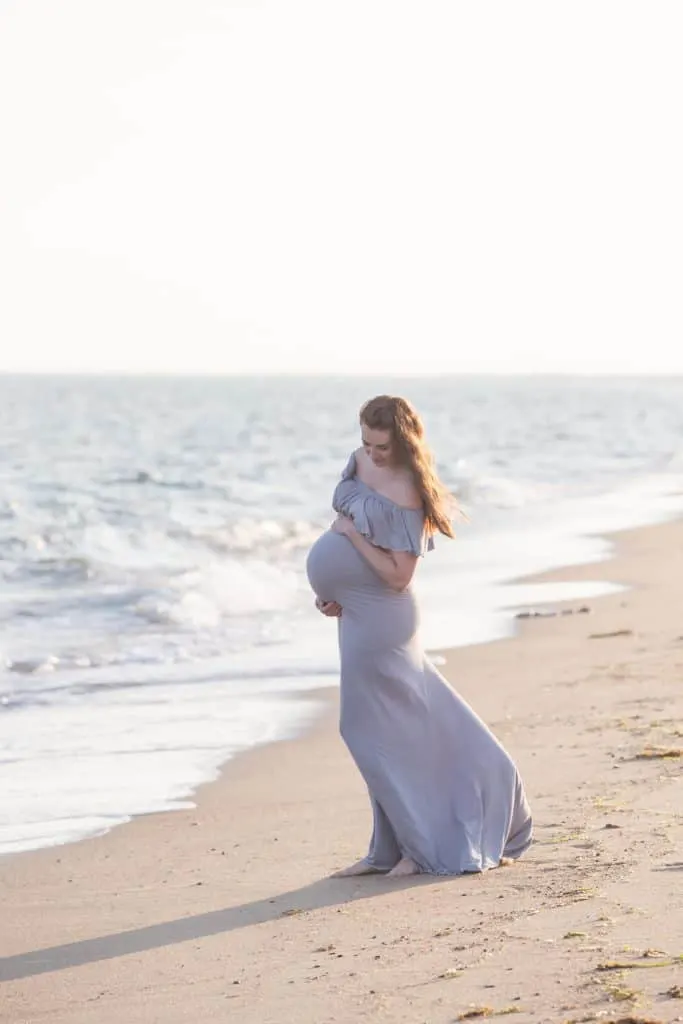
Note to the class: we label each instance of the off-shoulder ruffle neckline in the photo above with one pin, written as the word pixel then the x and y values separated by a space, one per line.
pixel 351 474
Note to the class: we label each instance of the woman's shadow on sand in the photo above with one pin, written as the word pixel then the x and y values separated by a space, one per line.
pixel 327 892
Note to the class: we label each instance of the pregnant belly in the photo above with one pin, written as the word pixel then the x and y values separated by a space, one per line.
pixel 336 571
pixel 380 619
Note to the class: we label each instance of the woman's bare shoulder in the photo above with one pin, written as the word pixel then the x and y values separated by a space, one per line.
pixel 401 489
pixel 404 492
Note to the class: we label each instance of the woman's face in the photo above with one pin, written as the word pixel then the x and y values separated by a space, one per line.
pixel 378 445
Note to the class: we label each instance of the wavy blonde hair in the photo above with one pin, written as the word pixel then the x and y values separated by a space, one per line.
pixel 397 415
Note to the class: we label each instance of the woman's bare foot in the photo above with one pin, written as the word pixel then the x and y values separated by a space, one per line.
pixel 405 867
pixel 361 867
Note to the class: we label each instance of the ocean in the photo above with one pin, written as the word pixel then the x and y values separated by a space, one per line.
pixel 155 618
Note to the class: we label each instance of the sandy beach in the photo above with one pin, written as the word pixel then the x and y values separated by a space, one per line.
pixel 225 912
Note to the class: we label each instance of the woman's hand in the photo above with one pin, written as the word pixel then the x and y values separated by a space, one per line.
pixel 344 526
pixel 329 608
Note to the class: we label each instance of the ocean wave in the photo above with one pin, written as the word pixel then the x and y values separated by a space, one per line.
pixel 31 666
pixel 476 488
pixel 246 535
pixel 205 596
pixel 79 550
pixel 127 687
pixel 144 476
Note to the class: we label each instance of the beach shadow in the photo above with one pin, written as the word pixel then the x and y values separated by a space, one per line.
pixel 326 892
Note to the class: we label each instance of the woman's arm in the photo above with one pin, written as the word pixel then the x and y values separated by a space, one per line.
pixel 395 568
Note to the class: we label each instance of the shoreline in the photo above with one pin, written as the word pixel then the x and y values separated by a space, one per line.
pixel 163 881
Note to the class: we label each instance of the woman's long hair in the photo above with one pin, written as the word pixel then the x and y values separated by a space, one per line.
pixel 387 412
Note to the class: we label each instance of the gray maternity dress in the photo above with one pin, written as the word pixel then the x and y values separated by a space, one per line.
pixel 443 790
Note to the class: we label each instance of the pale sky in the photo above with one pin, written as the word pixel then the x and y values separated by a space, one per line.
pixel 194 185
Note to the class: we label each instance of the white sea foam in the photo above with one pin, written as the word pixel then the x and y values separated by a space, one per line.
pixel 219 590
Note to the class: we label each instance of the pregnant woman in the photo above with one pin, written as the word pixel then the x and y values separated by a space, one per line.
pixel 446 797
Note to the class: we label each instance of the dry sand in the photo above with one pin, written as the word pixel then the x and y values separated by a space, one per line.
pixel 224 913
